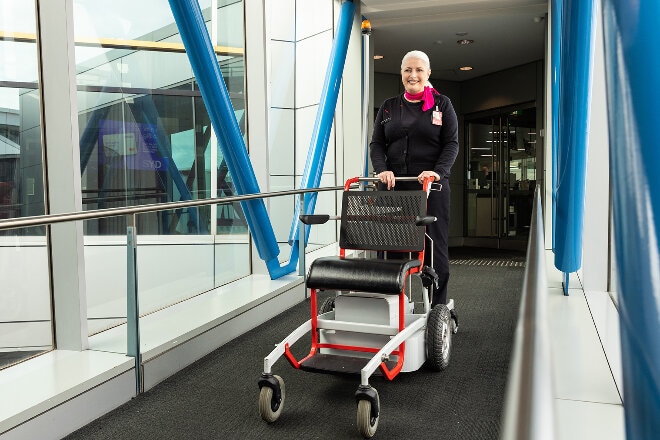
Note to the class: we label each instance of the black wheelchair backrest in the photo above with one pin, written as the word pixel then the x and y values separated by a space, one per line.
pixel 382 220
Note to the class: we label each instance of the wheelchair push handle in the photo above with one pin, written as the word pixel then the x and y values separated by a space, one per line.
pixel 425 220
pixel 426 186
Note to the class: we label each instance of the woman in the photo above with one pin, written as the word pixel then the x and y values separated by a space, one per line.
pixel 416 134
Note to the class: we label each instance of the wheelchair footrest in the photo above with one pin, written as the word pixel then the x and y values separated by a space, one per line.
pixel 338 364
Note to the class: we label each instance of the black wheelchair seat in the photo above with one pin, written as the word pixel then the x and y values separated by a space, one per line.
pixel 359 274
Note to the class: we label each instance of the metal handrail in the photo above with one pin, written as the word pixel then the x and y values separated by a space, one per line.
pixel 47 219
pixel 529 401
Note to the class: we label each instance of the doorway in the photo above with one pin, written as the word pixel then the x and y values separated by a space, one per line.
pixel 501 175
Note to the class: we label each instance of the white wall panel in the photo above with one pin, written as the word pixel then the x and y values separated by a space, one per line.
pixel 312 17
pixel 305 120
pixel 312 55
pixel 281 208
pixel 595 258
pixel 281 141
pixel 282 20
pixel 281 74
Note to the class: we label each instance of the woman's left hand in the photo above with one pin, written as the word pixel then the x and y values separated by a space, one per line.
pixel 426 174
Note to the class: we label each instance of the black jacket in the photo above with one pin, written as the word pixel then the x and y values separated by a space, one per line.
pixel 407 143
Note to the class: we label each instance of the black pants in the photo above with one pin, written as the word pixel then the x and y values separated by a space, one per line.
pixel 437 205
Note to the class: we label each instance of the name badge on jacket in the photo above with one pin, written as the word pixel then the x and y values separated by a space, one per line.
pixel 436 118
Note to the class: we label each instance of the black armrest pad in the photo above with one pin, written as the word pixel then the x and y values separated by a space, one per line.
pixel 314 219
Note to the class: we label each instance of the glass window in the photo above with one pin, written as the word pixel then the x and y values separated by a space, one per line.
pixel 146 137
pixel 21 168
pixel 145 133
pixel 25 309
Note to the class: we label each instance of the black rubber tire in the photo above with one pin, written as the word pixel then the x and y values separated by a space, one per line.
pixel 327 305
pixel 439 332
pixel 366 424
pixel 268 410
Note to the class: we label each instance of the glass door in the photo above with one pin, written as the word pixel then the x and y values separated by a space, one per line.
pixel 501 174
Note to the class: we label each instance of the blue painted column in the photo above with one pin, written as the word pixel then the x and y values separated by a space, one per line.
pixel 199 49
pixel 318 145
pixel 574 92
pixel 632 62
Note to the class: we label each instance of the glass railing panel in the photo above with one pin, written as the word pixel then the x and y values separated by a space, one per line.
pixel 25 317
pixel 170 269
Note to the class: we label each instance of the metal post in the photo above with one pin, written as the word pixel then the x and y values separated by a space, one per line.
pixel 132 304
pixel 366 32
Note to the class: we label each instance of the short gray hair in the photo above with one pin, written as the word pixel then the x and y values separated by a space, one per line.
pixel 419 55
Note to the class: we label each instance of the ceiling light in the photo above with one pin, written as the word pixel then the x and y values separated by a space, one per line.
pixel 465 68
pixel 378 57
pixel 461 34
pixel 464 42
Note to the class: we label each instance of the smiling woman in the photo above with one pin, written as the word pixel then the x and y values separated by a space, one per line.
pixel 416 135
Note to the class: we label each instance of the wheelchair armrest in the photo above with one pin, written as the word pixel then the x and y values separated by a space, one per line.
pixel 314 219
pixel 424 220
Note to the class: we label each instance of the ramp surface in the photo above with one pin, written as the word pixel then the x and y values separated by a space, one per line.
pixel 217 396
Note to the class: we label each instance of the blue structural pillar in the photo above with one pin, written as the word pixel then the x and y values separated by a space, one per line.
pixel 321 133
pixel 555 56
pixel 574 92
pixel 632 61
pixel 189 19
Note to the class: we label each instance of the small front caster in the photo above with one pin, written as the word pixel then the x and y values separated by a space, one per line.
pixel 271 397
pixel 368 411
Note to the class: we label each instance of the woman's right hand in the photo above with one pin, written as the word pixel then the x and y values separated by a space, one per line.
pixel 387 177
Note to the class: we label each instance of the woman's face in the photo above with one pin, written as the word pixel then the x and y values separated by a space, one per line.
pixel 414 75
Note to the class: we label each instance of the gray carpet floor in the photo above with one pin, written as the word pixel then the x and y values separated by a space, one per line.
pixel 216 397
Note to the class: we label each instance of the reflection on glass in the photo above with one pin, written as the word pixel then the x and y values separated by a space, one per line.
pixel 145 133
pixel 25 309
pixel 145 138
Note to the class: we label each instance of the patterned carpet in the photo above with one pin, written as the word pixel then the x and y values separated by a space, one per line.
pixel 216 398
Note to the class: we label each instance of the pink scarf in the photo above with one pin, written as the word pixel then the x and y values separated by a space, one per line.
pixel 426 96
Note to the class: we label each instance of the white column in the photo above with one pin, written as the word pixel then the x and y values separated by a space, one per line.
pixel 62 165
pixel 257 105
pixel 595 239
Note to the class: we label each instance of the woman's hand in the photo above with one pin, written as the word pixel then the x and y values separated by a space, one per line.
pixel 387 177
pixel 426 174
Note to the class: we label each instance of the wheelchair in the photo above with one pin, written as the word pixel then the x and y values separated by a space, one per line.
pixel 381 320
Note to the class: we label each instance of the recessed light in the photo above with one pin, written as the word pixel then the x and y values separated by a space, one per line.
pixel 465 68
pixel 464 42
pixel 378 57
